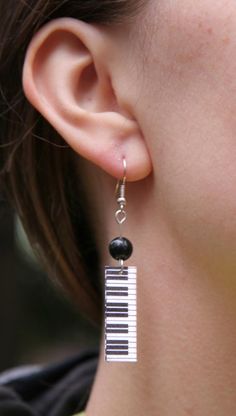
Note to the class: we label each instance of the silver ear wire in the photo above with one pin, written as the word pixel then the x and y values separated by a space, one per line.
pixel 121 214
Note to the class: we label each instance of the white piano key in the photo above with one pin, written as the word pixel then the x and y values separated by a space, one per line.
pixel 124 298
pixel 131 357
pixel 129 337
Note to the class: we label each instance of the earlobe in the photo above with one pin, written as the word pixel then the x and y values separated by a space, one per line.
pixel 66 79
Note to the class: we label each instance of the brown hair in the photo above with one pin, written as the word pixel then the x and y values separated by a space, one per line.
pixel 38 175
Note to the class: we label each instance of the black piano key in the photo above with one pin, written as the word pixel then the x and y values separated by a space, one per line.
pixel 117 325
pixel 110 352
pixel 117 293
pixel 117 304
pixel 116 309
pixel 118 347
pixel 116 271
pixel 116 278
pixel 117 315
pixel 122 288
pixel 117 331
pixel 117 341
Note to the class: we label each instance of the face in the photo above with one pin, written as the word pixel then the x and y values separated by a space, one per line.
pixel 174 69
pixel 185 102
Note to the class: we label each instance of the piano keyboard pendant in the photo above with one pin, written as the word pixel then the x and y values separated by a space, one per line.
pixel 120 323
pixel 120 314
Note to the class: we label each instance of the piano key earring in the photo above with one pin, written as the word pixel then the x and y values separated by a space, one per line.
pixel 120 329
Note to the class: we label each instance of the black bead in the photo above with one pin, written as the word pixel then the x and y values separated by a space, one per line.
pixel 120 248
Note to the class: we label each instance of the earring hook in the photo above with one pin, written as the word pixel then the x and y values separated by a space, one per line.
pixel 122 181
pixel 120 214
pixel 125 168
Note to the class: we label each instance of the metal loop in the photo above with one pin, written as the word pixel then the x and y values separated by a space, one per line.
pixel 121 266
pixel 120 216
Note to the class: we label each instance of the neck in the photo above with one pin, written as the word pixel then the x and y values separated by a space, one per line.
pixel 186 339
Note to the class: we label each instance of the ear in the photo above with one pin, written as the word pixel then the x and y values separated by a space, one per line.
pixel 66 78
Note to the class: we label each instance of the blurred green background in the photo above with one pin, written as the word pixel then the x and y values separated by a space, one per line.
pixel 37 322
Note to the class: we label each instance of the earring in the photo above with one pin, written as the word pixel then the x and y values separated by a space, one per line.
pixel 120 329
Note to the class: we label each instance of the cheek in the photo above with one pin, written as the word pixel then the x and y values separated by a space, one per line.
pixel 190 94
pixel 197 193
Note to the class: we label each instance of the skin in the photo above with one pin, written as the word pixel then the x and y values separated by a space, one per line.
pixel 159 90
